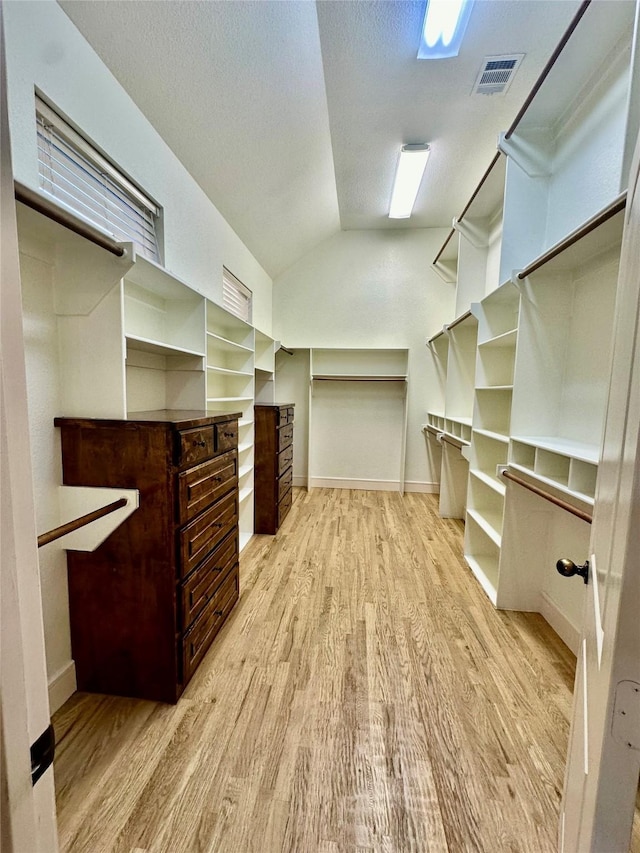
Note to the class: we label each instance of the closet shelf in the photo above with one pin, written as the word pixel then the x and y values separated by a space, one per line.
pixel 359 377
pixel 230 400
pixel 245 493
pixel 485 570
pixel 489 481
pixel 153 277
pixel 264 371
pixel 503 341
pixel 564 446
pixel 246 445
pixel 489 523
pixel 225 371
pixel 559 485
pixel 494 387
pixel 135 342
pixel 495 436
pixel 244 470
pixel 245 422
pixel 227 345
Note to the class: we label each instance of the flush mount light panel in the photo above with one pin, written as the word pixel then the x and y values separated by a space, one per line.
pixel 445 22
pixel 409 172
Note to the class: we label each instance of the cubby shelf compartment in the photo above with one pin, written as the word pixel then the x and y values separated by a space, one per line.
pixel 245 493
pixel 570 466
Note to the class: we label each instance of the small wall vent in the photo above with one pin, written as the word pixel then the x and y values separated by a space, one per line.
pixel 496 74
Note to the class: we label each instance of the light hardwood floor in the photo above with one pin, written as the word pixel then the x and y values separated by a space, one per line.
pixel 364 696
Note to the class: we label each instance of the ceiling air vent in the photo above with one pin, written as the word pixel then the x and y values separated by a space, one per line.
pixel 496 74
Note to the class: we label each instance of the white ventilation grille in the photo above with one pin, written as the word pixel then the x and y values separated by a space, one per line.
pixel 496 74
pixel 236 297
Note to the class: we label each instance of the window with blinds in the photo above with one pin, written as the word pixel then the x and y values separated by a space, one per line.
pixel 236 297
pixel 80 178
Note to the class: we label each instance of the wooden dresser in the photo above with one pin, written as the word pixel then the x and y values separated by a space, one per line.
pixel 273 465
pixel 147 603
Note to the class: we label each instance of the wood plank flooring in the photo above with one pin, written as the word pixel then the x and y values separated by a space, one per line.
pixel 364 696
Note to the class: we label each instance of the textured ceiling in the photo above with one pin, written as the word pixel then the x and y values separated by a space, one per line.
pixel 290 114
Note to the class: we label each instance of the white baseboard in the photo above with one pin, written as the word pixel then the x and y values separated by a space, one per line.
pixel 565 629
pixel 62 685
pixel 424 488
pixel 344 483
pixel 300 481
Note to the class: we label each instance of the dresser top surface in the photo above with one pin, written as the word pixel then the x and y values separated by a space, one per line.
pixel 179 418
pixel 274 405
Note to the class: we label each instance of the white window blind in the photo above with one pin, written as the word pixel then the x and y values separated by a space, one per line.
pixel 236 297
pixel 79 176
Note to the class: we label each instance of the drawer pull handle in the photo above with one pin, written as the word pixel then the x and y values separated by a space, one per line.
pixel 218 612
pixel 217 479
pixel 199 443
pixel 229 434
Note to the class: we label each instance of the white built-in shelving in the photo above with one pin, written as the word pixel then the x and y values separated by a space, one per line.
pixel 134 337
pixel 536 261
pixel 357 413
pixel 454 357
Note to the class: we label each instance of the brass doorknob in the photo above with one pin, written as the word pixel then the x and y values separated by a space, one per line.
pixel 567 568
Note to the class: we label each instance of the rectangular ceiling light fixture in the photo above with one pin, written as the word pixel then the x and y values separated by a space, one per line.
pixel 445 22
pixel 409 172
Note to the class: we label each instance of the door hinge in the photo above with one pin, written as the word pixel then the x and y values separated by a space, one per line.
pixel 42 752
pixel 626 714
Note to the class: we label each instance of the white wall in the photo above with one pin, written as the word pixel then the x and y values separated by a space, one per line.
pixel 44 50
pixel 371 289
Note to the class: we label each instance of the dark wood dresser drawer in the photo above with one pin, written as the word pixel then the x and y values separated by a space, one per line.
pixel 226 436
pixel 205 581
pixel 285 437
pixel 284 483
pixel 284 505
pixel 285 460
pixel 195 445
pixel 200 636
pixel 285 415
pixel 206 531
pixel 204 484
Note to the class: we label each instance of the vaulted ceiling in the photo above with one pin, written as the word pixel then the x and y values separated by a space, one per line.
pixel 290 113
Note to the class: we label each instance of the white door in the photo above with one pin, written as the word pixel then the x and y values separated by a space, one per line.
pixel 28 811
pixel 601 778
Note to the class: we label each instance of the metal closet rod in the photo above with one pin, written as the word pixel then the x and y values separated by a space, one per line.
pixel 590 225
pixel 444 246
pixel 82 521
pixel 468 204
pixel 545 71
pixel 460 319
pixel 579 513
pixel 459 444
pixel 29 197
pixel 480 185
